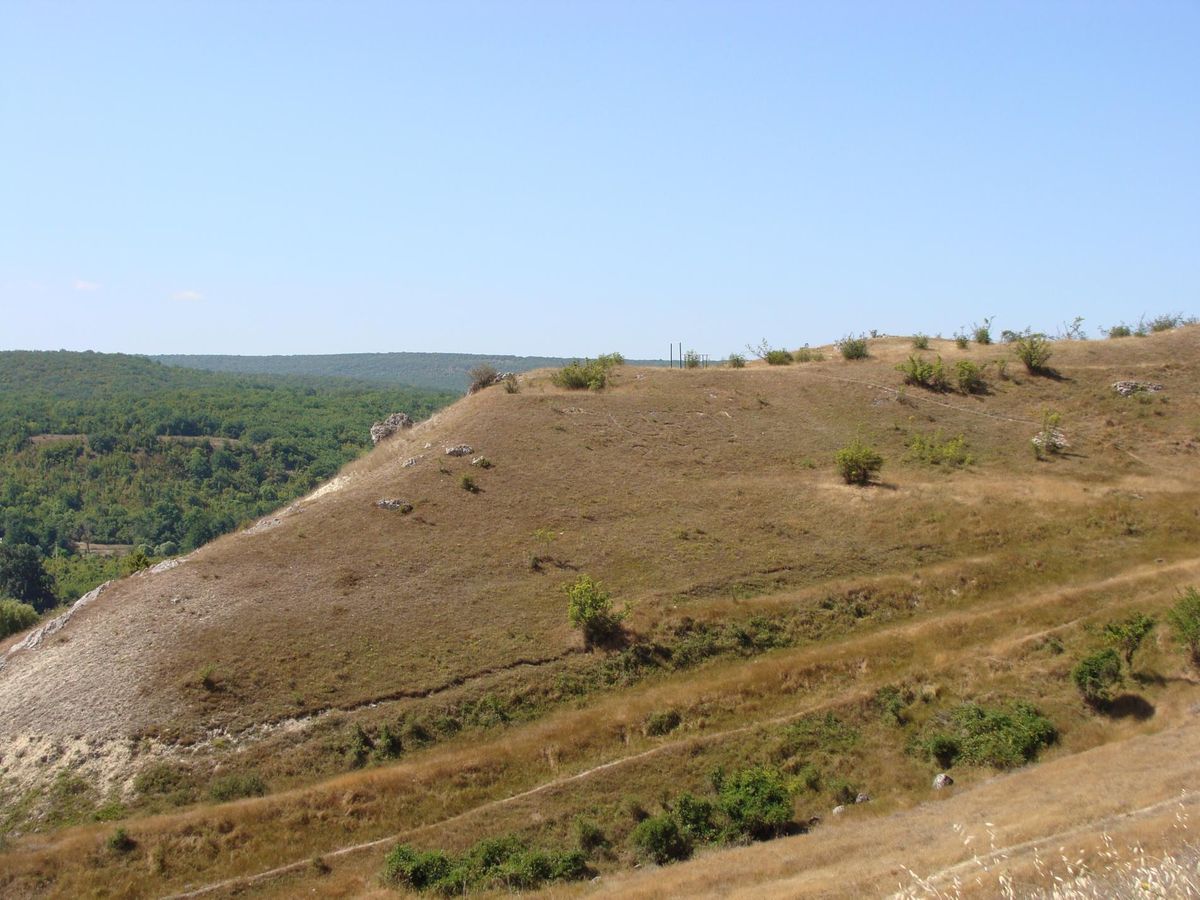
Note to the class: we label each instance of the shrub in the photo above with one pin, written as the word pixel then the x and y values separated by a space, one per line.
pixel 510 384
pixel 468 484
pixel 920 341
pixel 590 836
pixel 756 801
pixel 853 347
pixel 1033 350
pixel 16 616
pixel 969 377
pixel 961 341
pixel 162 780
pixel 610 360
pixel 737 361
pixel 1050 440
pixel 696 817
pixel 1096 674
pixel 1120 331
pixel 660 839
pixel 806 354
pixel 936 450
pixel 136 561
pixel 405 866
pixel 1168 321
pixel 691 359
pixel 589 608
pixel 1073 331
pixel 120 841
pixel 943 748
pixel 662 722
pixel 982 333
pixel 581 375
pixel 481 376
pixel 931 375
pixel 778 358
pixel 1184 618
pixel 1002 737
pixel 233 787
pixel 503 861
pixel 1127 635
pixel 857 462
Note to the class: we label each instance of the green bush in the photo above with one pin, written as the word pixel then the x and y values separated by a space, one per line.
pixel 737 361
pixel 590 836
pixel 469 485
pixel 1033 350
pixel 610 360
pixel 696 816
pixel 853 347
pixel 982 333
pixel 16 616
pixel 120 841
pixel 857 462
pixel 757 802
pixel 590 609
pixel 961 341
pixel 164 781
pixel 1002 737
pixel 661 840
pixel 920 341
pixel 660 723
pixel 921 372
pixel 586 375
pixel 1096 674
pixel 405 866
pixel 1120 331
pixel 778 358
pixel 1126 635
pixel 1184 619
pixel 936 450
pixel 943 748
pixel 806 354
pixel 234 787
pixel 691 359
pixel 969 377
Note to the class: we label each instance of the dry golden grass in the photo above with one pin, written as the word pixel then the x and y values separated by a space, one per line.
pixel 705 495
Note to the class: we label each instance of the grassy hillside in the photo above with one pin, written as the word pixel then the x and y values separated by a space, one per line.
pixel 293 703
pixel 437 371
pixel 116 451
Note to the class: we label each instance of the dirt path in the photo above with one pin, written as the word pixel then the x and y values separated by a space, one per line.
pixel 245 881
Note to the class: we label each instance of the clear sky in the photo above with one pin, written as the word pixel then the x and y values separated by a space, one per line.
pixel 573 177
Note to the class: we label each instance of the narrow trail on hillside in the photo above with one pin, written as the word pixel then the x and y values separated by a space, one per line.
pixel 1006 608
pixel 406 693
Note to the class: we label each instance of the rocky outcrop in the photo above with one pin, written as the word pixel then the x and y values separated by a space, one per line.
pixel 942 781
pixel 1129 388
pixel 401 505
pixel 389 426
pixel 459 450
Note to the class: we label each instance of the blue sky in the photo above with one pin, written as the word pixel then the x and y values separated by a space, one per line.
pixel 569 178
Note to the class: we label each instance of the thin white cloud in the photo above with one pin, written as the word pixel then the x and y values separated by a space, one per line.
pixel 187 296
pixel 82 285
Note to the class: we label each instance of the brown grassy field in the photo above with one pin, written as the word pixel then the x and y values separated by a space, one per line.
pixel 764 596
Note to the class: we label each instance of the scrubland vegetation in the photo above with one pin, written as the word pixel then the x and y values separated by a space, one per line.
pixel 681 615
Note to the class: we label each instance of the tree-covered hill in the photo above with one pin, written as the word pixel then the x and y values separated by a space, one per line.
pixel 115 449
pixel 441 371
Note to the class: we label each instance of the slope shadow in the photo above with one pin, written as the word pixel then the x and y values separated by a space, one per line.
pixel 1129 706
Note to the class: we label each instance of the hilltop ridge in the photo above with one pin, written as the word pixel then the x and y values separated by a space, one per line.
pixel 761 591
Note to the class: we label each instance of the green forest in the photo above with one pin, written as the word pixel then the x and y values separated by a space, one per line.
pixel 109 449
pixel 440 371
